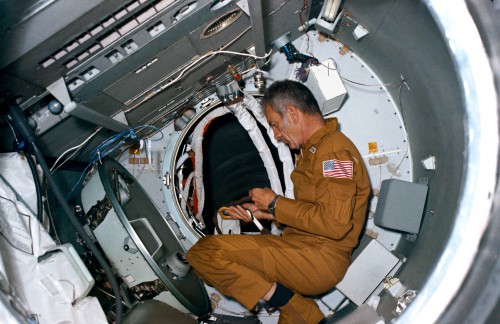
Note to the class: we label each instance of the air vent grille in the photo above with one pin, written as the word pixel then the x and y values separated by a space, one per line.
pixel 221 23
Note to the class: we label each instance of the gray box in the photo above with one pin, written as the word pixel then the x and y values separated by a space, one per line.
pixel 400 205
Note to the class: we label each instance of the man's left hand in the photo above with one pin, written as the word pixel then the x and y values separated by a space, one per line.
pixel 262 197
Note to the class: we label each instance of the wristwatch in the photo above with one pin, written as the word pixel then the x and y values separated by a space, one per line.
pixel 272 205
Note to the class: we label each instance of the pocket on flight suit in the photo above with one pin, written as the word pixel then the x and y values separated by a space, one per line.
pixel 342 195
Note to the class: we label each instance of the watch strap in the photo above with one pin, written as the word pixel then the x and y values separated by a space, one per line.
pixel 272 205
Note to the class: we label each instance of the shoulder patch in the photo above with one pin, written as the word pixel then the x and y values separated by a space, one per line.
pixel 337 169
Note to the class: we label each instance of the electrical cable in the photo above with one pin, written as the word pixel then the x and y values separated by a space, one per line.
pixel 38 188
pixel 304 7
pixel 36 179
pixel 18 196
pixel 400 85
pixel 109 145
pixel 277 9
pixel 160 87
pixel 209 55
pixel 402 117
pixel 78 181
pixel 359 83
pixel 77 148
pixel 51 220
pixel 16 117
pixel 206 85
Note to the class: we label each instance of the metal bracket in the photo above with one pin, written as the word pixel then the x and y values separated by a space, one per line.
pixel 166 180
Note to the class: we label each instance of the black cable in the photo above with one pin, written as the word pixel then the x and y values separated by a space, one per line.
pixel 36 180
pixel 18 120
pixel 38 188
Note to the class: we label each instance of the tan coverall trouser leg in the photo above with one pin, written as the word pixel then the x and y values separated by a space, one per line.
pixel 244 267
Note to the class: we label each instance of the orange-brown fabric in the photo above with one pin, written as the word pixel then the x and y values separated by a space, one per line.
pixel 333 208
pixel 245 266
pixel 323 225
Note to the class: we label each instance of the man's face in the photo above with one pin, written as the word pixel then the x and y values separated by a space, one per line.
pixel 283 129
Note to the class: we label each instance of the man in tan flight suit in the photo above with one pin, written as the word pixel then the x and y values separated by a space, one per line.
pixel 322 224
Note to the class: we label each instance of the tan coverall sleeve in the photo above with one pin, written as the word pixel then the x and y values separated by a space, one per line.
pixel 323 205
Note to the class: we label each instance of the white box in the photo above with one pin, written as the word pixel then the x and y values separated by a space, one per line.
pixel 359 32
pixel 327 86
pixel 367 272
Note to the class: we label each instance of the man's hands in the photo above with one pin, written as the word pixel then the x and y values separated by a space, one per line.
pixel 240 212
pixel 261 197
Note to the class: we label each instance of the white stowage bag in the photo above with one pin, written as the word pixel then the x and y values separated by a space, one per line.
pixel 50 290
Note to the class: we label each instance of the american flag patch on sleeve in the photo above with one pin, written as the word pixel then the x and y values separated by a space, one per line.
pixel 337 169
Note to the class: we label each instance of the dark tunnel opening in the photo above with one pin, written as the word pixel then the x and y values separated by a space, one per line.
pixel 232 166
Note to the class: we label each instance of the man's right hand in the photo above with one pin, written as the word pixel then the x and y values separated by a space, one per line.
pixel 240 212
